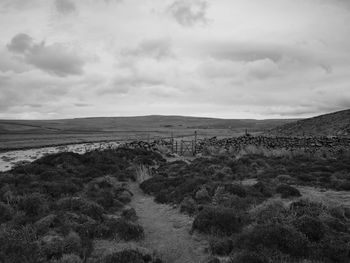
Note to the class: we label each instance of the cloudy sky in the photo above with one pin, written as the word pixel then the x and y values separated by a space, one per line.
pixel 217 58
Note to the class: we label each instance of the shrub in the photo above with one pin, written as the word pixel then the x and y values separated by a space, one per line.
pixel 129 231
pixel 246 256
pixel 221 246
pixel 79 204
pixel 307 207
pixel 334 224
pixel 33 204
pixel 6 212
pixel 335 249
pixel 222 221
pixel 124 197
pixel 68 258
pixel 129 214
pixel 236 189
pixel 287 191
pixel 44 224
pixel 188 206
pixel 202 195
pixel 125 256
pixel 312 227
pixel 72 244
pixel 18 246
pixel 275 236
pixel 124 229
pixel 269 211
pixel 52 246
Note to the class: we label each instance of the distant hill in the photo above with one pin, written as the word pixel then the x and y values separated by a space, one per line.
pixel 332 124
pixel 141 123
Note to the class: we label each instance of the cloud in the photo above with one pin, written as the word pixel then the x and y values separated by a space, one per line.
pixel 10 62
pixel 20 43
pixel 189 12
pixel 18 4
pixel 55 59
pixel 79 104
pixel 65 6
pixel 155 48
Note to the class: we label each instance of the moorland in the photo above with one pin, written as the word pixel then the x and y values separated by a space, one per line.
pixel 19 134
pixel 262 202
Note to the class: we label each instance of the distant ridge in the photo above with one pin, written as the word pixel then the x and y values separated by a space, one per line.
pixel 332 124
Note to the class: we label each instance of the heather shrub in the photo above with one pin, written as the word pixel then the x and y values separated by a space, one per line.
pixel 277 237
pixel 335 249
pixel 67 258
pixel 129 214
pixel 311 227
pixel 79 204
pixel 72 244
pixel 6 212
pixel 287 191
pixel 307 207
pixel 33 204
pixel 52 246
pixel 125 256
pixel 236 189
pixel 220 246
pixel 188 206
pixel 223 221
pixel 247 256
pixel 19 245
pixel 269 211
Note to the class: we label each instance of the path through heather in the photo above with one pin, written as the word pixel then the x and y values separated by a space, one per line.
pixel 167 230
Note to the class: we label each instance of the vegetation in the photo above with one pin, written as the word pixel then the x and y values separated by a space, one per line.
pixel 52 209
pixel 253 222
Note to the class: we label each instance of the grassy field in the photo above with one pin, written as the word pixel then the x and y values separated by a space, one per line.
pixel 17 134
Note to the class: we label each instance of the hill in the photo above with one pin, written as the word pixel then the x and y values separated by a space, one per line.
pixel 144 123
pixel 36 133
pixel 332 124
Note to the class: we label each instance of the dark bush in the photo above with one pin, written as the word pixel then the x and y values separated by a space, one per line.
pixel 129 214
pixel 335 249
pixel 125 256
pixel 275 236
pixel 312 227
pixel 18 246
pixel 247 256
pixel 236 189
pixel 215 220
pixel 33 204
pixel 287 191
pixel 72 244
pixel 6 212
pixel 79 204
pixel 188 206
pixel 335 224
pixel 306 207
pixel 221 246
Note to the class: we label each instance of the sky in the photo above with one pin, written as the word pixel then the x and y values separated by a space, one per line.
pixel 216 58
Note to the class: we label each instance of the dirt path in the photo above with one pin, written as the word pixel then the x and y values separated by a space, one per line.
pixel 167 231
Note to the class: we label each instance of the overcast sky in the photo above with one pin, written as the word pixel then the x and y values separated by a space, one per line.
pixel 217 58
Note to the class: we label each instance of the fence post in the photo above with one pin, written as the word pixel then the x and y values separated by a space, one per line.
pixel 176 146
pixel 172 142
pixel 195 143
pixel 181 145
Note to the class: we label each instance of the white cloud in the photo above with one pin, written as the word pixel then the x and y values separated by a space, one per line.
pixel 272 59
pixel 189 12
pixel 55 59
